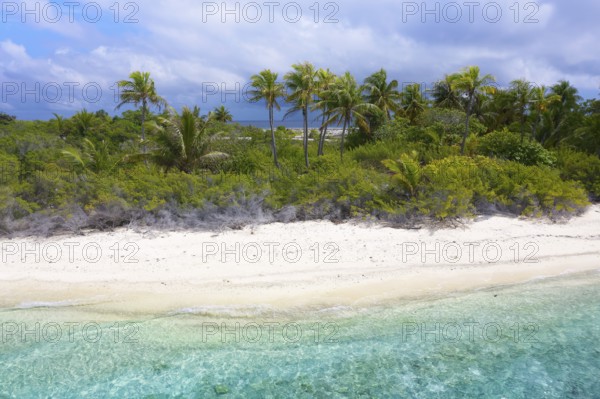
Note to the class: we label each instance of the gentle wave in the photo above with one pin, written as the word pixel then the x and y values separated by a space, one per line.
pixel 58 304
pixel 229 311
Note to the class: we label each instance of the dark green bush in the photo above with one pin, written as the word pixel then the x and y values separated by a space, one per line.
pixel 371 155
pixel 392 130
pixel 5 118
pixel 38 181
pixel 507 145
pixel 581 167
pixel 449 125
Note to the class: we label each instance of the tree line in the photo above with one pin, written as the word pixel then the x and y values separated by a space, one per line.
pixel 548 115
pixel 464 146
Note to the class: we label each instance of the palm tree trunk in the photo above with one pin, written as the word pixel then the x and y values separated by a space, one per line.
pixel 143 129
pixel 323 130
pixel 550 136
pixel 144 105
pixel 466 134
pixel 464 140
pixel 305 115
pixel 536 128
pixel 522 128
pixel 343 135
pixel 323 139
pixel 273 144
pixel 547 134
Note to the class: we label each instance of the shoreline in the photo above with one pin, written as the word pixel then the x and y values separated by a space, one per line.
pixel 293 267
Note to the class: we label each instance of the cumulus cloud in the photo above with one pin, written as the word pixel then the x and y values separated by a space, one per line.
pixel 189 45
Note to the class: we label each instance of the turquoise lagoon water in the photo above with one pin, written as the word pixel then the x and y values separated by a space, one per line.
pixel 537 340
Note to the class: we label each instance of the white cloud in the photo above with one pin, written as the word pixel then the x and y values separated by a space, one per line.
pixel 182 52
pixel 13 52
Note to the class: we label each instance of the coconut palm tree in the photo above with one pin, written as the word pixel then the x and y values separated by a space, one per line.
pixel 183 141
pixel 484 107
pixel 589 131
pixel 222 114
pixel 540 102
pixel 499 110
pixel 521 91
pixel 562 112
pixel 413 103
pixel 302 83
pixel 84 121
pixel 95 157
pixel 346 104
pixel 568 95
pixel 265 87
pixel 383 94
pixel 59 122
pixel 444 95
pixel 140 91
pixel 325 79
pixel 470 84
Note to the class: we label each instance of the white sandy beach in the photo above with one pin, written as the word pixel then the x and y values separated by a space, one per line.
pixel 289 266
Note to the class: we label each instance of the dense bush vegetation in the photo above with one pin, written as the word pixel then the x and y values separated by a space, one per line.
pixel 403 165
pixel 508 145
pixel 6 119
pixel 581 167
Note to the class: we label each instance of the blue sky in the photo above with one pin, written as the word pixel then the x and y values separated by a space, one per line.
pixel 65 56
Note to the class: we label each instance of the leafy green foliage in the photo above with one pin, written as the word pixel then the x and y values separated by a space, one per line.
pixel 403 163
pixel 372 155
pixel 407 172
pixel 507 145
pixel 5 118
pixel 449 125
pixel 97 158
pixel 392 130
pixel 459 186
pixel 183 142
pixel 581 167
pixel 331 190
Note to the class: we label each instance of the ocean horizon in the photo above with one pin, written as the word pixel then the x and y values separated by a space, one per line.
pixel 289 124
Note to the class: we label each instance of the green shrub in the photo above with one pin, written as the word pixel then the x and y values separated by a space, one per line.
pixel 355 138
pixel 537 191
pixel 581 167
pixel 446 116
pixel 507 145
pixel 5 118
pixel 9 168
pixel 428 177
pixel 14 207
pixel 335 190
pixel 372 154
pixel 449 125
pixel 407 173
pixel 392 130
pixel 450 188
pixel 461 186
